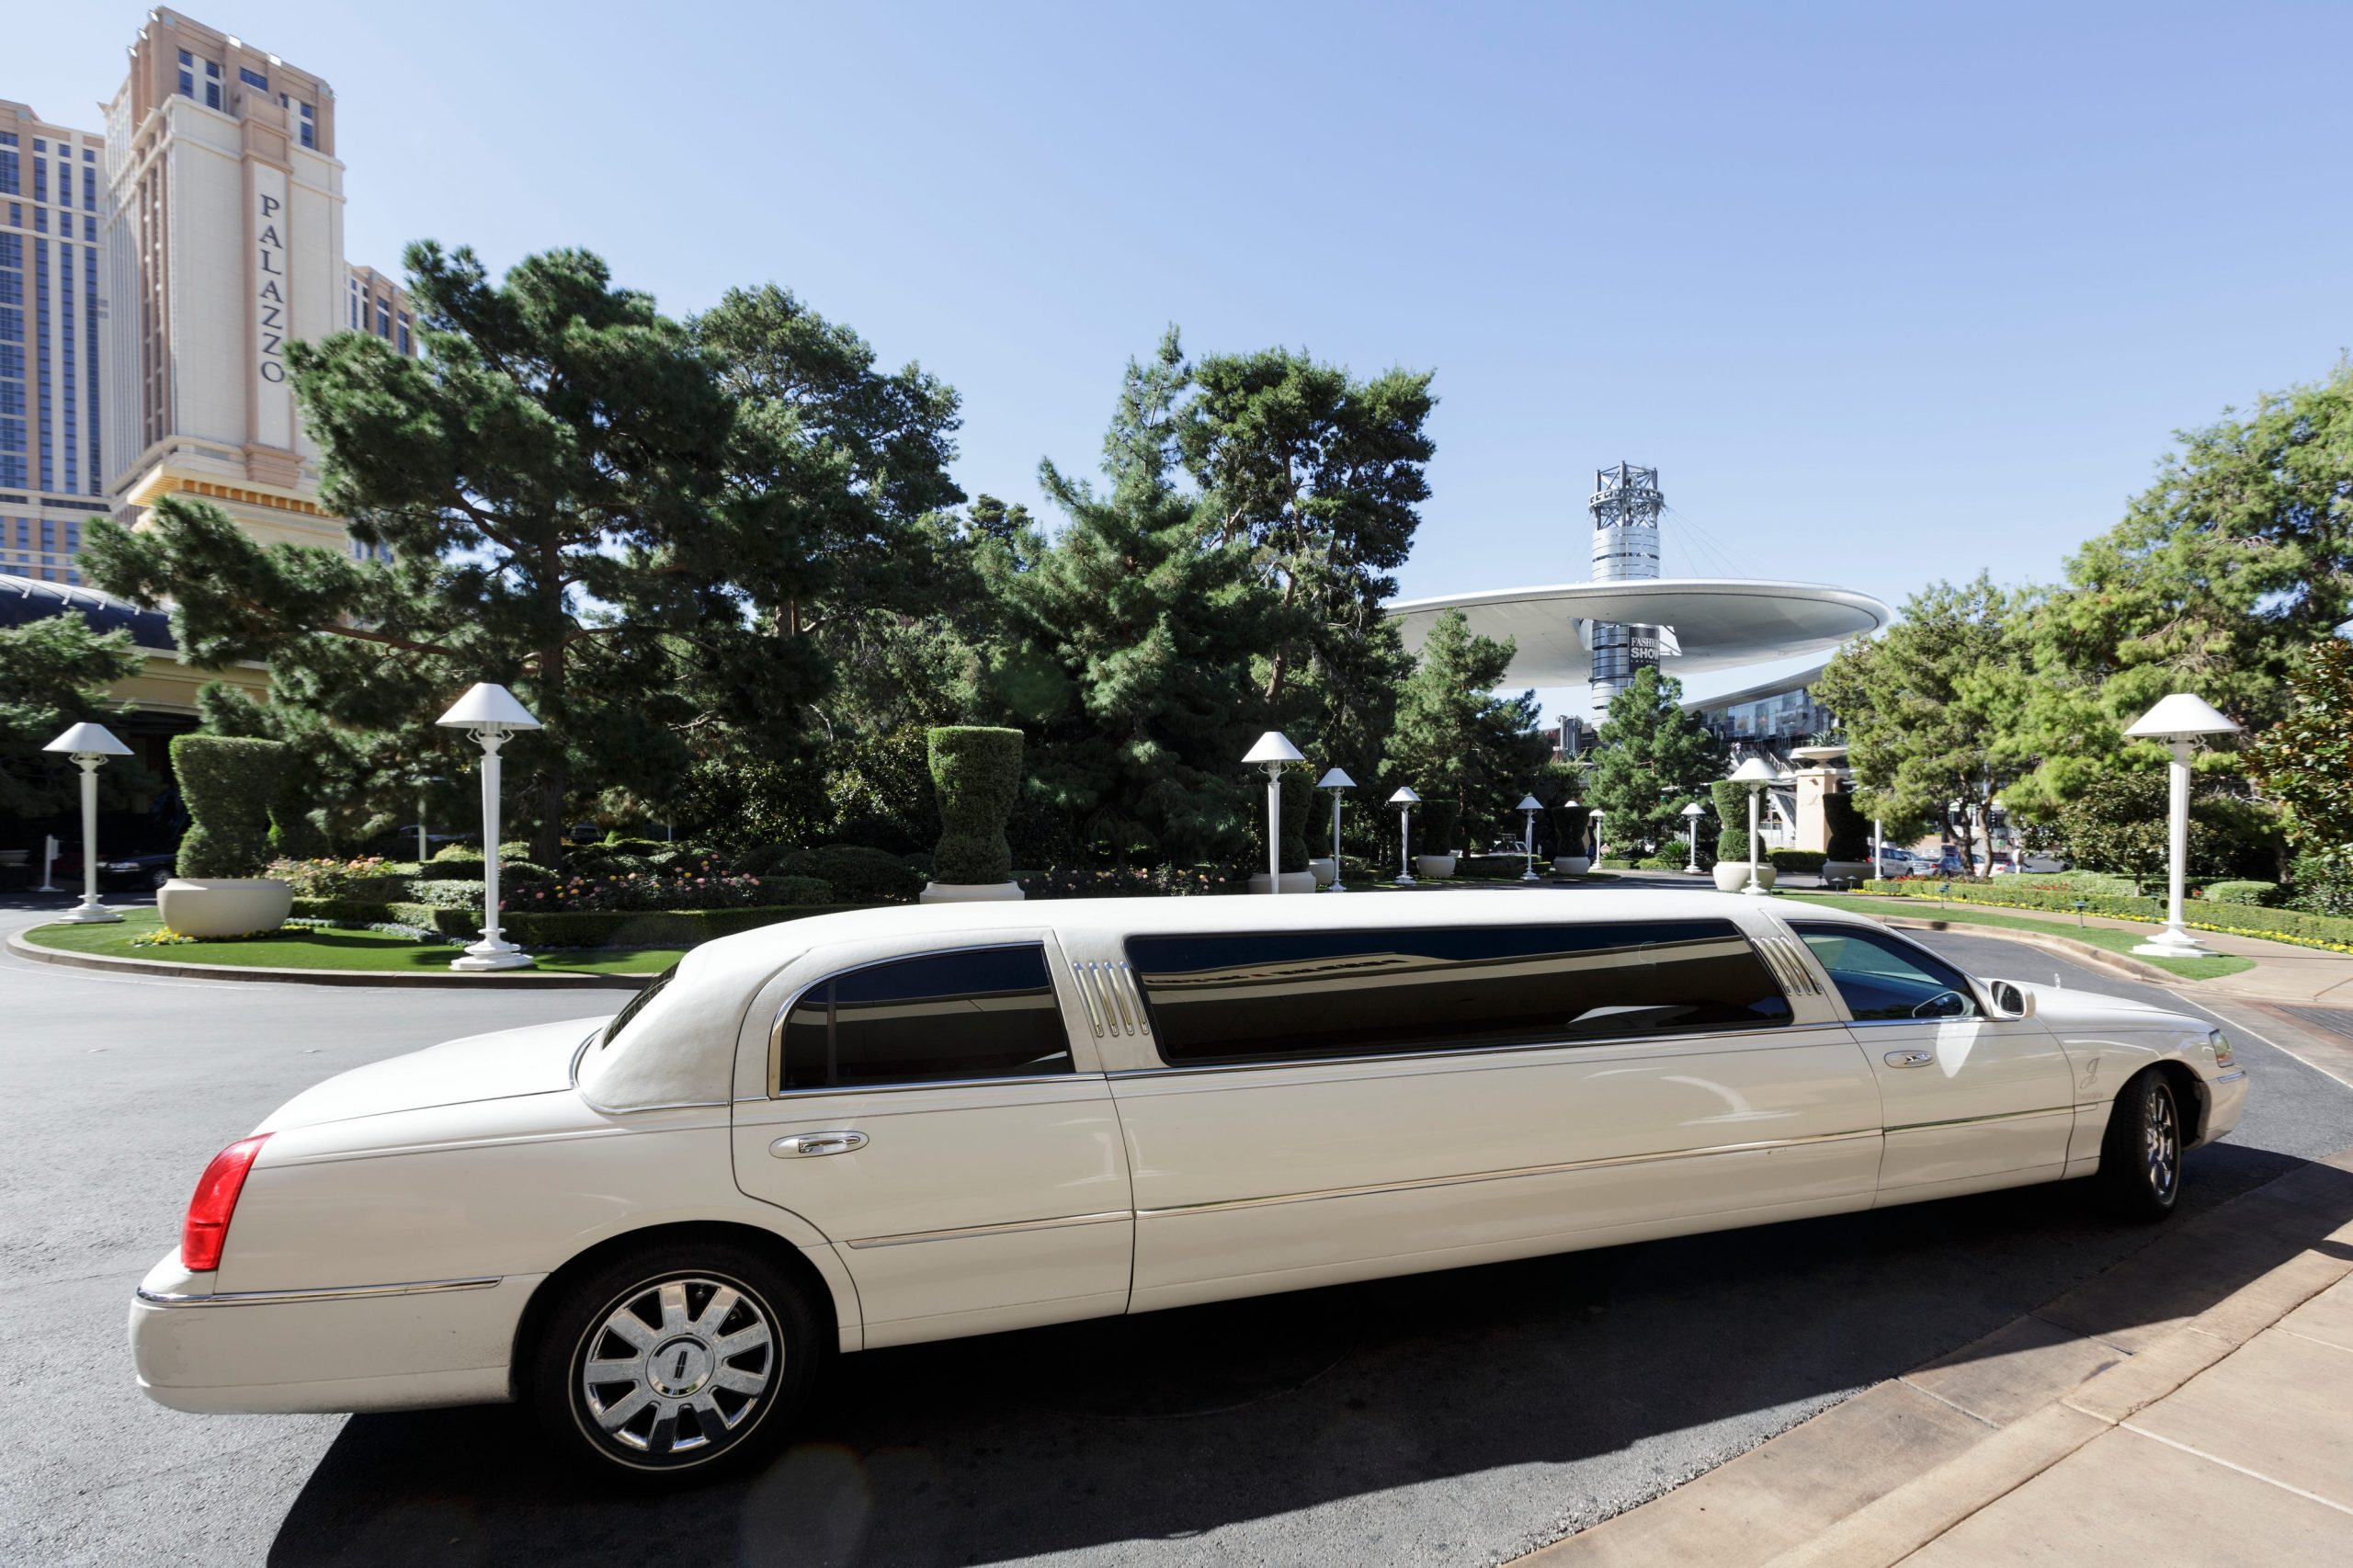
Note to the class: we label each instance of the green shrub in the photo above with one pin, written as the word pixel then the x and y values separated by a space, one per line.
pixel 1440 818
pixel 859 875
pixel 370 878
pixel 445 893
pixel 2331 931
pixel 1846 835
pixel 227 783
pixel 521 873
pixel 976 773
pixel 1732 819
pixel 2321 881
pixel 2241 892
pixel 640 929
pixel 783 892
pixel 1665 860
pixel 453 854
pixel 463 924
pixel 459 870
pixel 1796 859
pixel 1491 865
pixel 293 834
pixel 1298 794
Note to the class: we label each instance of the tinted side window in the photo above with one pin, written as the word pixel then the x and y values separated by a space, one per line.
pixel 982 1013
pixel 1881 977
pixel 1240 998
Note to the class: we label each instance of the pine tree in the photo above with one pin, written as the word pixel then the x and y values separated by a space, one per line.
pixel 1456 741
pixel 1128 649
pixel 1651 759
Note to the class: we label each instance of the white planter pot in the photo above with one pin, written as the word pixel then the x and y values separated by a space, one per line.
pixel 1845 873
pixel 969 892
pixel 1294 881
pixel 223 907
pixel 1732 875
pixel 1434 865
pixel 1572 864
pixel 1325 869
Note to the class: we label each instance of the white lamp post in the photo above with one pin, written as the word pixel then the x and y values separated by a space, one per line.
pixel 1274 751
pixel 492 715
pixel 1529 806
pixel 2181 721
pixel 1404 799
pixel 1599 848
pixel 1692 815
pixel 89 745
pixel 1339 783
pixel 1754 772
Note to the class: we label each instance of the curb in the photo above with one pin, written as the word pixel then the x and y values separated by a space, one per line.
pixel 519 980
pixel 1877 1477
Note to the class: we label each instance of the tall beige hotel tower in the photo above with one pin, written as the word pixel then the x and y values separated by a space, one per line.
pixel 154 278
pixel 224 242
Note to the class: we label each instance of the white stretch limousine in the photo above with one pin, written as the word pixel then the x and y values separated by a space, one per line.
pixel 898 1125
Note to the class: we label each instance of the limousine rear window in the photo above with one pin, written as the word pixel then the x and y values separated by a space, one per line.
pixel 976 1013
pixel 1282 995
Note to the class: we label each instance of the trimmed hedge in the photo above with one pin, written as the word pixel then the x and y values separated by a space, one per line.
pixel 583 928
pixel 2334 932
pixel 1496 865
pixel 1798 860
pixel 227 783
pixel 976 772
pixel 2247 892
pixel 859 874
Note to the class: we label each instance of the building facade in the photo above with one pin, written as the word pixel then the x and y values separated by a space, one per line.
pixel 53 281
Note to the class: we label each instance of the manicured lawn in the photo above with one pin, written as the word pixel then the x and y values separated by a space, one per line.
pixel 303 949
pixel 2097 936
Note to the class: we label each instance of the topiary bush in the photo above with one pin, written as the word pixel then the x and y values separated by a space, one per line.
pixel 1439 820
pixel 1298 794
pixel 2240 892
pixel 293 834
pixel 1795 860
pixel 976 772
pixel 1847 836
pixel 227 783
pixel 1731 820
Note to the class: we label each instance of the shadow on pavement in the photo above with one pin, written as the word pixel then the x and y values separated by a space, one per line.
pixel 1169 1424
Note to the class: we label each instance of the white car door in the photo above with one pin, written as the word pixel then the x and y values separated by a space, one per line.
pixel 1336 1105
pixel 932 1115
pixel 1970 1101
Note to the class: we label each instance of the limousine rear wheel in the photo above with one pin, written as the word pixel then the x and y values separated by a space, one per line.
pixel 2140 1158
pixel 686 1357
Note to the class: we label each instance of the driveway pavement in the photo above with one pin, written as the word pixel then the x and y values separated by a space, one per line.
pixel 1461 1417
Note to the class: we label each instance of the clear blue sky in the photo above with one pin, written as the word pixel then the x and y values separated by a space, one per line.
pixel 1888 292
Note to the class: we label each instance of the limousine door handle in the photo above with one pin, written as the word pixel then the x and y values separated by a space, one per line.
pixel 1910 1058
pixel 817 1144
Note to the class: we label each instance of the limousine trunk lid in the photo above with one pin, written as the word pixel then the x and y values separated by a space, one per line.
pixel 533 1060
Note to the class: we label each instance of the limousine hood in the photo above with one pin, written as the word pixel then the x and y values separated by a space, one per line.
pixel 2058 1005
pixel 528 1061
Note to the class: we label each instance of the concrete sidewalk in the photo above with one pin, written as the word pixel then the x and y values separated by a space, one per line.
pixel 2193 1405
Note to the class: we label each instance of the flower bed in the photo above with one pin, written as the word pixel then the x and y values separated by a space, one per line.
pixel 563 928
pixel 1134 882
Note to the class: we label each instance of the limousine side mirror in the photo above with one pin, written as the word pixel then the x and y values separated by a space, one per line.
pixel 2009 999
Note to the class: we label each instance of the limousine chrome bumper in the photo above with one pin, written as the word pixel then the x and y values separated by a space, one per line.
pixel 406 1346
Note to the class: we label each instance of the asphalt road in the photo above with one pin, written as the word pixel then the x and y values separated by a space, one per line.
pixel 1454 1419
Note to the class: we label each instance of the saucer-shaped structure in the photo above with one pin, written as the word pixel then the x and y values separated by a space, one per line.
pixel 1705 623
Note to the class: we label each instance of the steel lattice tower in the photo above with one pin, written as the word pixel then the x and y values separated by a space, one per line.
pixel 1625 505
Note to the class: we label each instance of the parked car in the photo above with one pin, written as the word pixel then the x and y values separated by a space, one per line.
pixel 885 1127
pixel 148 868
pixel 1894 862
pixel 2032 865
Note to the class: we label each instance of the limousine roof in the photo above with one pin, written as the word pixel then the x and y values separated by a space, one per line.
pixel 682 1047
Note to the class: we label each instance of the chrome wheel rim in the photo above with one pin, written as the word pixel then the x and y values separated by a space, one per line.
pixel 677 1370
pixel 2161 1143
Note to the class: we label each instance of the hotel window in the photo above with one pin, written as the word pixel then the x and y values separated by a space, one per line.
pixel 41 178
pixel 404 319
pixel 8 181
pixel 384 319
pixel 253 78
pixel 310 126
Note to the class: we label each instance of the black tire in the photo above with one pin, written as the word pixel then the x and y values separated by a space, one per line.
pixel 681 1404
pixel 2140 1157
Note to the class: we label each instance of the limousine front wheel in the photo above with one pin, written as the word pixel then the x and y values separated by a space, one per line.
pixel 2140 1159
pixel 681 1359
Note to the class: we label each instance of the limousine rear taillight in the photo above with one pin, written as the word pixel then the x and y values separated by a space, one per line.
pixel 215 1202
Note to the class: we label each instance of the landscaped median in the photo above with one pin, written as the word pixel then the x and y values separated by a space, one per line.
pixel 2295 927
pixel 2102 937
